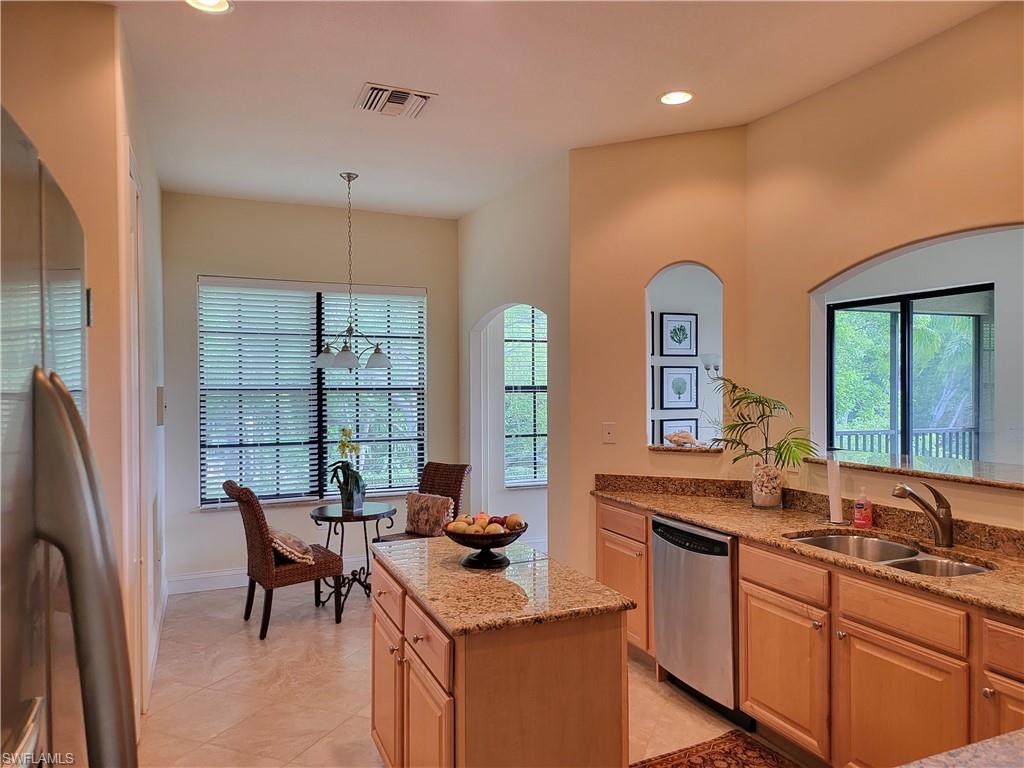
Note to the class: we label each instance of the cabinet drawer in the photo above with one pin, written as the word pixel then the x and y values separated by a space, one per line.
pixel 914 618
pixel 431 644
pixel 1002 647
pixel 632 525
pixel 792 577
pixel 387 593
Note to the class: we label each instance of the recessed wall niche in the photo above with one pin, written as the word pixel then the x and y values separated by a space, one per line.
pixel 684 350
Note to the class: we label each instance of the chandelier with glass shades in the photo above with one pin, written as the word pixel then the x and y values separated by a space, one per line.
pixel 348 355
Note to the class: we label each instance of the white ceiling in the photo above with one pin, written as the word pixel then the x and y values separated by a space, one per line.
pixel 258 103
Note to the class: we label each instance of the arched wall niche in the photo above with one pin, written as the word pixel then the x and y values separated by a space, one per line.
pixel 685 342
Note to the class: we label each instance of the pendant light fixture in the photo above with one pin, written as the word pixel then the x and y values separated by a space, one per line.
pixel 348 355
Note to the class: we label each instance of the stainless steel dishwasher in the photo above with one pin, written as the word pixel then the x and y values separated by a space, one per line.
pixel 694 618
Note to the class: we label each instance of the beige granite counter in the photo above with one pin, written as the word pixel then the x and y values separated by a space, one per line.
pixel 1008 476
pixel 1001 590
pixel 533 589
pixel 1006 751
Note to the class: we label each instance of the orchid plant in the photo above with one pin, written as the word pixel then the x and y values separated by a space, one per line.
pixel 343 473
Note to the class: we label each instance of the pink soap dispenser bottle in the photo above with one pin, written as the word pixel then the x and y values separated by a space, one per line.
pixel 862 511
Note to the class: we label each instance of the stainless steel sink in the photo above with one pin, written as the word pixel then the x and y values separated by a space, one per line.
pixel 934 566
pixel 865 547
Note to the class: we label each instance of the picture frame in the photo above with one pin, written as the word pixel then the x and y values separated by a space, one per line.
pixel 668 426
pixel 678 334
pixel 678 390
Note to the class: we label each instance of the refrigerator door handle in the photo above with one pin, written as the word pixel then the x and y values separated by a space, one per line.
pixel 26 741
pixel 69 514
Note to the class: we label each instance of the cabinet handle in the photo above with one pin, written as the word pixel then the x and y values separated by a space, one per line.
pixel 417 638
pixel 638 555
pixel 381 592
pixel 817 625
pixel 392 650
pixel 841 635
pixel 988 693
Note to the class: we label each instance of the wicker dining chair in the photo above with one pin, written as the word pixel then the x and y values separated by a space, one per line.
pixel 440 480
pixel 269 569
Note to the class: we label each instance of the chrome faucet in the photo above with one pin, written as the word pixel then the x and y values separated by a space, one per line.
pixel 940 516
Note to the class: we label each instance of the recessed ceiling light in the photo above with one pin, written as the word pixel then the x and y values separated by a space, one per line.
pixel 673 97
pixel 212 6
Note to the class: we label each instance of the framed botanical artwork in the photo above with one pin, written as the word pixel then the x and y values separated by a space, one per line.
pixel 671 426
pixel 678 335
pixel 678 387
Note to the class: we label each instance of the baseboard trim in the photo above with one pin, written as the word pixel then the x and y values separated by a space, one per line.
pixel 229 578
pixel 204 581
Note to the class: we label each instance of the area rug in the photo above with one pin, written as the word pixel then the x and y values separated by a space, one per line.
pixel 734 749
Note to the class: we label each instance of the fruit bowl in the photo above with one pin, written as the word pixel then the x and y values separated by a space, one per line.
pixel 485 559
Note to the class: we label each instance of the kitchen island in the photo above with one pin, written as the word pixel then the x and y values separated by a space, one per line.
pixel 520 666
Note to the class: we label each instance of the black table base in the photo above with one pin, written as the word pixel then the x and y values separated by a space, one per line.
pixel 360 577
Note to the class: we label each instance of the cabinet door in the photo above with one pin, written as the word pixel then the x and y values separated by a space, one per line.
pixel 429 718
pixel 894 701
pixel 1000 705
pixel 622 565
pixel 784 675
pixel 387 685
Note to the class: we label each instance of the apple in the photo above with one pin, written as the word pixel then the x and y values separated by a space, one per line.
pixel 457 526
pixel 481 519
pixel 474 529
pixel 499 519
pixel 514 522
pixel 494 528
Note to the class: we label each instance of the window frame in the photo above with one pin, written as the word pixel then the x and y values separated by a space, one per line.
pixel 533 390
pixel 905 356
pixel 319 488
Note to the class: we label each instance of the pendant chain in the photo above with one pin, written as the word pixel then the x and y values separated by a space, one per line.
pixel 349 252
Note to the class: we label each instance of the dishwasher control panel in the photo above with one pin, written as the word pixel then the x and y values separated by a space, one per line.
pixel 690 541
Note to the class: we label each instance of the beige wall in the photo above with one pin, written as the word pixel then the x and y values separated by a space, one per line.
pixel 636 208
pixel 515 250
pixel 241 238
pixel 925 143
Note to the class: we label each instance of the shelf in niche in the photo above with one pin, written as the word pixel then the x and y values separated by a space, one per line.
pixel 685 449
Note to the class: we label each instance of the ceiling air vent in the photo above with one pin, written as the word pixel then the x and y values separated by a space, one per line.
pixel 393 101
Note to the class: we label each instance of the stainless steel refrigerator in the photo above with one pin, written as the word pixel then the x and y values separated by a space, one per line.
pixel 65 686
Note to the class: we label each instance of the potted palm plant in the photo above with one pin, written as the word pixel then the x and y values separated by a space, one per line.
pixel 346 476
pixel 747 429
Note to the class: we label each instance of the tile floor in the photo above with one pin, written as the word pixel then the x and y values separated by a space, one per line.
pixel 302 697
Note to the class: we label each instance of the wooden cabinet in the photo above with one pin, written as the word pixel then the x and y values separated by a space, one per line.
pixel 386 710
pixel 622 565
pixel 894 701
pixel 1000 705
pixel 429 718
pixel 784 666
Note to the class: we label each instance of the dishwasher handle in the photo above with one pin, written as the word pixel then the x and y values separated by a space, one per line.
pixel 692 542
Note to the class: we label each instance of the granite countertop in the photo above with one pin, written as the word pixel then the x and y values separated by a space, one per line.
pixel 1006 751
pixel 1008 476
pixel 533 589
pixel 1002 589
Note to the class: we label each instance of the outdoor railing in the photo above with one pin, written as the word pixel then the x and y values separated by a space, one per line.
pixel 954 443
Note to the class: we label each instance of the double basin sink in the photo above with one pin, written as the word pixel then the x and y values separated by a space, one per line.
pixel 892 554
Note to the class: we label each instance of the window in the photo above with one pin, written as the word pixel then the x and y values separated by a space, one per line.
pixel 270 420
pixel 526 396
pixel 911 374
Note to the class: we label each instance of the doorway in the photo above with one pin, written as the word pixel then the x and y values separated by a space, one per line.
pixel 509 417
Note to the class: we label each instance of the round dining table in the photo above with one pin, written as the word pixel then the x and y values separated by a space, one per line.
pixel 335 517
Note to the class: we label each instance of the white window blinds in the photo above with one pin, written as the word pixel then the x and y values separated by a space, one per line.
pixel 271 421
pixel 386 408
pixel 526 396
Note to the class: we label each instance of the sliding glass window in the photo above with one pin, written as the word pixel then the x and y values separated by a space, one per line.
pixel 911 374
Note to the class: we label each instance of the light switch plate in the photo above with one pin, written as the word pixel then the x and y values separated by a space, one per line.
pixel 608 431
